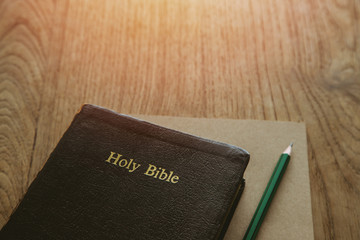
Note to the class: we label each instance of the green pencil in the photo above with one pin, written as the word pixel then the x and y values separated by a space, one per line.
pixel 268 194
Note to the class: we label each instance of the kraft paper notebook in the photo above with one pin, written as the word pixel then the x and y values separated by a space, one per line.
pixel 289 216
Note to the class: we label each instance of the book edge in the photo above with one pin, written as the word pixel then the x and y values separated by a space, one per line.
pixel 231 210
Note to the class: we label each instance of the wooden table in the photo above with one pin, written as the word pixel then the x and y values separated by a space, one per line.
pixel 266 60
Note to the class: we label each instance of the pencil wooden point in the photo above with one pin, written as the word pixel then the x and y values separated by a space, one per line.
pixel 288 149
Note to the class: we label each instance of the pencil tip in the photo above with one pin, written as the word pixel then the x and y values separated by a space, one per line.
pixel 288 149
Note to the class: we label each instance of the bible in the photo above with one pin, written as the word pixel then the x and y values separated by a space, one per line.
pixel 113 176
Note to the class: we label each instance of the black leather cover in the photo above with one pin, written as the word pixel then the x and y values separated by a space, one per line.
pixel 86 192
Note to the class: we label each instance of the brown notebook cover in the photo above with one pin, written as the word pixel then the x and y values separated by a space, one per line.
pixel 112 176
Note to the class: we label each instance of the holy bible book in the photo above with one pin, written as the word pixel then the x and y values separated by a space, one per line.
pixel 112 176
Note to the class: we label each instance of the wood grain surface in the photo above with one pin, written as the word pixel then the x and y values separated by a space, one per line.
pixel 266 60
